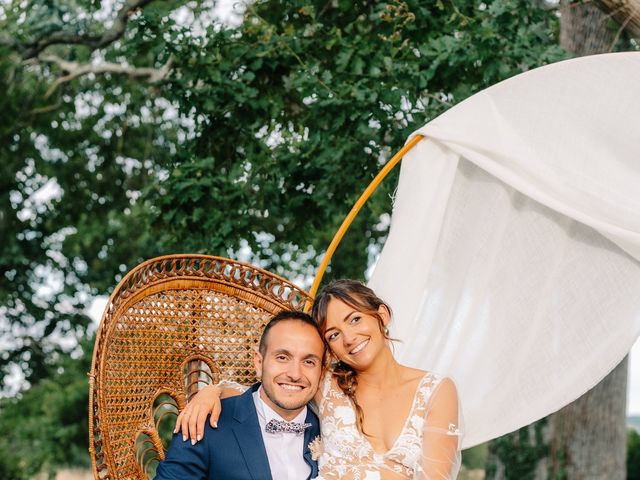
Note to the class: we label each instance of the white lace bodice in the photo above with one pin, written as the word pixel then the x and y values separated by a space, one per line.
pixel 348 454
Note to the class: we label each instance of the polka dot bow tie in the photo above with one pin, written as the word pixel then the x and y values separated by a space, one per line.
pixel 277 426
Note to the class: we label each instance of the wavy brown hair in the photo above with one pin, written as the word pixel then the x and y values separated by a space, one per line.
pixel 364 300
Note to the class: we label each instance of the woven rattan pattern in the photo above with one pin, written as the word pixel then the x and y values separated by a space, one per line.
pixel 166 314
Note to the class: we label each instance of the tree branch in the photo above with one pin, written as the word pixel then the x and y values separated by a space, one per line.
pixel 34 48
pixel 625 12
pixel 76 70
pixel 47 108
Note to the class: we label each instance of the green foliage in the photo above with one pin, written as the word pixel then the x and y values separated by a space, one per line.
pixel 297 109
pixel 633 454
pixel 46 427
pixel 88 147
pixel 516 456
pixel 263 137
pixel 476 457
pixel 10 466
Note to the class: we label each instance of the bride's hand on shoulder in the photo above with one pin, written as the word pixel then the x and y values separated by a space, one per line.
pixel 192 418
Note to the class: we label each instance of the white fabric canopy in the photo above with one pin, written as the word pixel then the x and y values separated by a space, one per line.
pixel 513 259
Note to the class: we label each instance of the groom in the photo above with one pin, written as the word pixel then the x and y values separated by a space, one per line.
pixel 263 434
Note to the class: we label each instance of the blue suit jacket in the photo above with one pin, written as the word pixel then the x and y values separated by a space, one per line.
pixel 233 451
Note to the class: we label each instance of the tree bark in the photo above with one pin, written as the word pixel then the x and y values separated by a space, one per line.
pixel 585 29
pixel 589 436
pixel 625 12
pixel 587 439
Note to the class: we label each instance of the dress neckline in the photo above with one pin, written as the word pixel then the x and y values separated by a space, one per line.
pixel 406 421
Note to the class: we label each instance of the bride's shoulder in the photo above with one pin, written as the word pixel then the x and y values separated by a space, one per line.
pixel 413 374
pixel 430 379
pixel 418 374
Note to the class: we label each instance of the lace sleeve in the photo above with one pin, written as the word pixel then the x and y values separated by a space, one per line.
pixel 442 435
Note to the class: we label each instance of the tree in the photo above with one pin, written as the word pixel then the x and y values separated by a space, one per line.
pixel 72 166
pixel 47 427
pixel 260 136
pixel 625 13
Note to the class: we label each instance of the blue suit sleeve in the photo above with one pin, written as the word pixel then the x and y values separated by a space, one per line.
pixel 184 461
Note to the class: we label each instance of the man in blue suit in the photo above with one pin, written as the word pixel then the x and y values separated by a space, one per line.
pixel 263 434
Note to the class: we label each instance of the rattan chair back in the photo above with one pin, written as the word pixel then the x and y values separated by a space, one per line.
pixel 172 325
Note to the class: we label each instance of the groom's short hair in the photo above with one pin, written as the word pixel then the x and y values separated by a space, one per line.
pixel 284 315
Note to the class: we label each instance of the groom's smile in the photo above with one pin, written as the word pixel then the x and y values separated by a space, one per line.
pixel 290 367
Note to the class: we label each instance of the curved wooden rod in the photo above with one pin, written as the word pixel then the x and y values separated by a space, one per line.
pixel 354 211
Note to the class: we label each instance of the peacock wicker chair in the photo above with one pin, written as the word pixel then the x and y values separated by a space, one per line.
pixel 172 325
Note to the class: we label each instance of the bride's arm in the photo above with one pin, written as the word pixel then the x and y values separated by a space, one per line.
pixel 442 435
pixel 192 418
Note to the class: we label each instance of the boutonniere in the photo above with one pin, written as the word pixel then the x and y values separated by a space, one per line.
pixel 315 447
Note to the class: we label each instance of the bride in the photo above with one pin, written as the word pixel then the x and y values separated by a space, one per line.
pixel 379 419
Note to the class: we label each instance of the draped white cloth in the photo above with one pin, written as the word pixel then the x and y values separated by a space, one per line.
pixel 513 258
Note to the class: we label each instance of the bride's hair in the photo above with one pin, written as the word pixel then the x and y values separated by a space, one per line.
pixel 362 299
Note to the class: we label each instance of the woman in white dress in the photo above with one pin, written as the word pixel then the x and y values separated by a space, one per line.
pixel 379 419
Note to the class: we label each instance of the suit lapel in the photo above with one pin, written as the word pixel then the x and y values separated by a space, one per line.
pixel 309 435
pixel 249 437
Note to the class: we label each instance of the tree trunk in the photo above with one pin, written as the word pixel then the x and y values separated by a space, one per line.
pixel 587 439
pixel 585 29
pixel 589 436
pixel 625 12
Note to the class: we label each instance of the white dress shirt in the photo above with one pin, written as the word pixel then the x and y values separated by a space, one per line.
pixel 284 450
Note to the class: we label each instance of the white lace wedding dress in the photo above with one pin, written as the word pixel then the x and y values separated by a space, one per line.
pixel 424 449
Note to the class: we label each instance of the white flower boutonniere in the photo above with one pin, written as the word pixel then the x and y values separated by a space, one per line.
pixel 315 447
